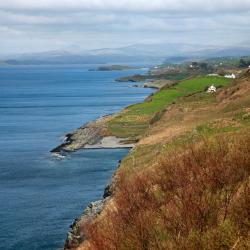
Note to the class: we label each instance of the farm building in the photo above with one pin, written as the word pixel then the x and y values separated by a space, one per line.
pixel 211 89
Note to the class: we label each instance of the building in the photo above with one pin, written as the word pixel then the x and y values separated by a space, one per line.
pixel 232 76
pixel 211 89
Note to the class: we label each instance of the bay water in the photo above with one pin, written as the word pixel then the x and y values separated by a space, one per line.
pixel 40 195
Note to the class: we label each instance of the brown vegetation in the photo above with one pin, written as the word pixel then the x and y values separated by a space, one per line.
pixel 194 198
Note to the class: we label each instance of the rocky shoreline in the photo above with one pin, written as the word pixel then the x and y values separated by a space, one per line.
pixel 75 236
pixel 92 135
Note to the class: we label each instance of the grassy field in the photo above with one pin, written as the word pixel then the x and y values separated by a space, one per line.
pixel 133 121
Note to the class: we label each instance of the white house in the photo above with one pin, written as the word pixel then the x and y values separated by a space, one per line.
pixel 232 76
pixel 211 89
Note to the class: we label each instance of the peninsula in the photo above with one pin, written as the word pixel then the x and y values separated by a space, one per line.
pixel 114 68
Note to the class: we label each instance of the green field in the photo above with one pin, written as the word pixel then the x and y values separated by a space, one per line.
pixel 134 120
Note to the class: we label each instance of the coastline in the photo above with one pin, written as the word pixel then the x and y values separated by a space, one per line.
pixel 176 123
pixel 75 236
pixel 90 137
pixel 93 135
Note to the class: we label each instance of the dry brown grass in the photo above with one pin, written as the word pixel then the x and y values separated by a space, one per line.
pixel 195 198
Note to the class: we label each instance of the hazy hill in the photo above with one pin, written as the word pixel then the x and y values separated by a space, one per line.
pixel 147 53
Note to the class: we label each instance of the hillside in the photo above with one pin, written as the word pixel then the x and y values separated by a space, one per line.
pixel 187 68
pixel 185 185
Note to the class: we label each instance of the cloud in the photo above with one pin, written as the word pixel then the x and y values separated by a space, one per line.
pixel 130 5
pixel 9 31
pixel 91 24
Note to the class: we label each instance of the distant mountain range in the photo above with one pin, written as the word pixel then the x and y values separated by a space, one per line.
pixel 146 53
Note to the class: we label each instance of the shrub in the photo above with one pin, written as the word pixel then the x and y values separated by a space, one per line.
pixel 193 198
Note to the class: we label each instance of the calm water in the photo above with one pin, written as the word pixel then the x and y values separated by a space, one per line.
pixel 40 195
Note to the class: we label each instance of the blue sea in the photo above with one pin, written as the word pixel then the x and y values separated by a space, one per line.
pixel 41 195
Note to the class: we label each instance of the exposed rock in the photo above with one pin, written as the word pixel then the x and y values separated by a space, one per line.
pixel 92 135
pixel 75 235
pixel 107 191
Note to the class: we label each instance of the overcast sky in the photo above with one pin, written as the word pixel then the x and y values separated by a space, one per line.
pixel 43 25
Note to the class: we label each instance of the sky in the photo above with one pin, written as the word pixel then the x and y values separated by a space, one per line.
pixel 76 25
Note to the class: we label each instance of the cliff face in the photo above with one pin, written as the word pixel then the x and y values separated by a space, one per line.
pixel 186 182
pixel 76 235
